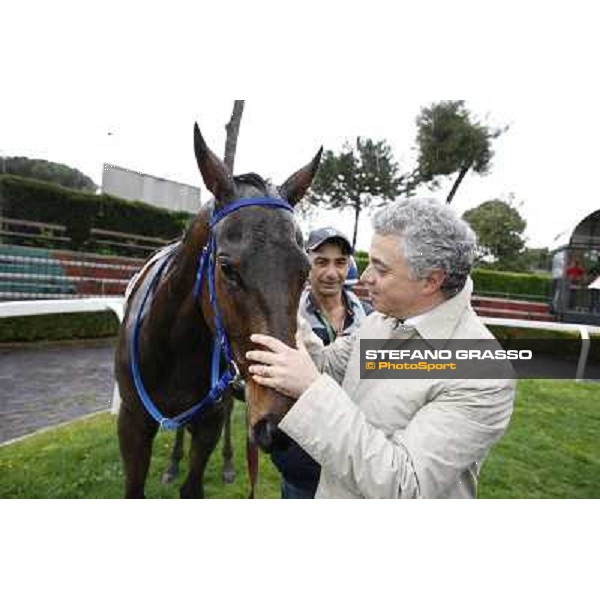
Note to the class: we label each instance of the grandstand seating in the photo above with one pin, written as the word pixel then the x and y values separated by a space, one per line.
pixel 33 273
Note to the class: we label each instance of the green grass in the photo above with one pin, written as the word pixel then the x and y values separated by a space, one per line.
pixel 81 460
pixel 550 451
pixel 552 447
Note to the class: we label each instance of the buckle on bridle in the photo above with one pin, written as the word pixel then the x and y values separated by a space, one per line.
pixel 236 372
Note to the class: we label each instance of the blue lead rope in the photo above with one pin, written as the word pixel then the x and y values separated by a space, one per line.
pixel 221 347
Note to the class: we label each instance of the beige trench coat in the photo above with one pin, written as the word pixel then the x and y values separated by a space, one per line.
pixel 412 438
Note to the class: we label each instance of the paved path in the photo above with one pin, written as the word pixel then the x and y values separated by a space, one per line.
pixel 46 385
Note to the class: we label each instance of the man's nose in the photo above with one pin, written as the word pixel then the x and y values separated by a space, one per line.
pixel 331 272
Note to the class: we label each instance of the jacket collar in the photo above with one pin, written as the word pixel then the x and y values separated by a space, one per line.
pixel 440 322
pixel 314 307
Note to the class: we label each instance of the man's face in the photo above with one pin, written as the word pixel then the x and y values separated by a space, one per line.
pixel 388 280
pixel 329 270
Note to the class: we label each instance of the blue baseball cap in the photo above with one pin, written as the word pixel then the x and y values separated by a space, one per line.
pixel 352 277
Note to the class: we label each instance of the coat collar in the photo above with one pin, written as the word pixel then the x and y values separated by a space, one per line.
pixel 313 305
pixel 437 325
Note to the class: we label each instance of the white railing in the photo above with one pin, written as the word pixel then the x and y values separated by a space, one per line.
pixel 28 308
pixel 116 304
pixel 583 330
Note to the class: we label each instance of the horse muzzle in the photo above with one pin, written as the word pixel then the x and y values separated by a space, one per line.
pixel 265 409
pixel 268 436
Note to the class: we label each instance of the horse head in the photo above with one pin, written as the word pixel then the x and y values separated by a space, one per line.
pixel 259 273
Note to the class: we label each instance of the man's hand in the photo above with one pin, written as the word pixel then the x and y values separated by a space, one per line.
pixel 287 370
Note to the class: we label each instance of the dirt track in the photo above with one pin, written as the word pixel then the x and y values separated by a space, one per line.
pixel 43 385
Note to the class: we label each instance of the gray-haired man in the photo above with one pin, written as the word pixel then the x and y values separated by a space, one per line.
pixel 396 438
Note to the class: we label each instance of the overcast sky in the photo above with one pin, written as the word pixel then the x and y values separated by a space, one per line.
pixel 72 74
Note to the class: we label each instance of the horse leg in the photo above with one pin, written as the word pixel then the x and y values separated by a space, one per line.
pixel 206 432
pixel 176 456
pixel 136 435
pixel 228 469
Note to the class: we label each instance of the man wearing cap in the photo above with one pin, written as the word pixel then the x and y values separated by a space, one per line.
pixel 402 437
pixel 331 310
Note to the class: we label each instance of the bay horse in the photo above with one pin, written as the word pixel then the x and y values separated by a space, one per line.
pixel 239 269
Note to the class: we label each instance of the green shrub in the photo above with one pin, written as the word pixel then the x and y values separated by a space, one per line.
pixel 526 286
pixel 361 262
pixel 58 327
pixel 79 212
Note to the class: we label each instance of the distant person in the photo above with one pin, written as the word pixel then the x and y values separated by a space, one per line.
pixel 332 310
pixel 575 274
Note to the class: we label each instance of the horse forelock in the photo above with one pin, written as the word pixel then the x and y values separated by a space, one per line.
pixel 252 184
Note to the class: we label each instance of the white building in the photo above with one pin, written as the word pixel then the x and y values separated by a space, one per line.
pixel 131 185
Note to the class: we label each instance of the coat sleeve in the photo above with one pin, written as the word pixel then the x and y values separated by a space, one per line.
pixel 453 431
pixel 331 359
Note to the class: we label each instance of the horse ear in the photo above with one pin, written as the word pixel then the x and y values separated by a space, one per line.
pixel 297 185
pixel 215 173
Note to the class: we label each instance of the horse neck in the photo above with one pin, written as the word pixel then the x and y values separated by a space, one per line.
pixel 173 300
pixel 174 330
pixel 189 255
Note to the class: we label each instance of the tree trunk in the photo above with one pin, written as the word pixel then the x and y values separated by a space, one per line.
pixel 356 216
pixel 458 181
pixel 233 129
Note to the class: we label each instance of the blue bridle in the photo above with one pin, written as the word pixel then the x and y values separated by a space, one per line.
pixel 221 347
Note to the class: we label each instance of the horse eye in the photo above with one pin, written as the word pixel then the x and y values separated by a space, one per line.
pixel 229 272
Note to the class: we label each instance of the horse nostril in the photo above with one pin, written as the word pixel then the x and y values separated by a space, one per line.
pixel 269 437
pixel 263 434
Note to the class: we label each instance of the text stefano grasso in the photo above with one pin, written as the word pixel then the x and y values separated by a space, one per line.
pixel 471 354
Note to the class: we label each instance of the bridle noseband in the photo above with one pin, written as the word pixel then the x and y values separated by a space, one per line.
pixel 221 346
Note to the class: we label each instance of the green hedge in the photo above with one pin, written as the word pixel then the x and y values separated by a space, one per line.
pixel 525 286
pixel 29 199
pixel 362 260
pixel 58 327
